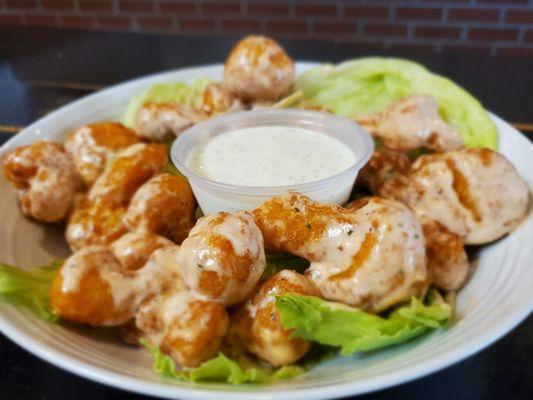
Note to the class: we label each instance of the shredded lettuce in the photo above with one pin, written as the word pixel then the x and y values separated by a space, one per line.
pixel 220 369
pixel 368 85
pixel 29 288
pixel 189 95
pixel 353 330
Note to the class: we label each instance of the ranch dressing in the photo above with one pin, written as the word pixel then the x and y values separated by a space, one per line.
pixel 270 156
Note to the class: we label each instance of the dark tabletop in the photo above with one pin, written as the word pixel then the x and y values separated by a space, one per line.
pixel 42 69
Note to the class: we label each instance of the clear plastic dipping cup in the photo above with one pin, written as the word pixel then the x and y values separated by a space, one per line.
pixel 216 196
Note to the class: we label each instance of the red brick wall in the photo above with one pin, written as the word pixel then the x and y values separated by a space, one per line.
pixel 477 26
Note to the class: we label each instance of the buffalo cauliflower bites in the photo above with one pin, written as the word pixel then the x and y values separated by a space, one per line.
pixel 93 145
pixel 133 249
pixel 184 325
pixel 127 172
pixel 258 69
pixel 411 123
pixel 163 121
pixel 165 205
pixel 218 99
pixel 475 193
pixel 257 324
pixel 46 179
pixel 92 223
pixel 93 288
pixel 223 258
pixel 370 257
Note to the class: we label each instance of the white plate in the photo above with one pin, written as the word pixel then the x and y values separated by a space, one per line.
pixel 494 301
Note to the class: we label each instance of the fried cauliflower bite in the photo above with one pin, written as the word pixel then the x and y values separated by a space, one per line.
pixel 127 172
pixel 218 99
pixel 446 257
pixel 93 288
pixel 257 324
pixel 223 258
pixel 370 256
pixel 165 205
pixel 91 146
pixel 385 174
pixel 184 325
pixel 258 69
pixel 411 123
pixel 162 121
pixel 94 223
pixel 134 249
pixel 46 179
pixel 474 193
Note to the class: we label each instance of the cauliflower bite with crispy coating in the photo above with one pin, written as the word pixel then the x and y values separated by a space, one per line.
pixel 165 205
pixel 411 123
pixel 93 145
pixel 218 99
pixel 162 121
pixel 475 193
pixel 94 223
pixel 258 69
pixel 134 248
pixel 184 325
pixel 257 325
pixel 46 179
pixel 447 260
pixel 93 288
pixel 223 258
pixel 370 257
pixel 127 172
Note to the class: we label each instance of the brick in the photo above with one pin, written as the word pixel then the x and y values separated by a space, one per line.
pixel 196 24
pixel 212 8
pixel 10 20
pixel 322 10
pixel 466 49
pixel 515 51
pixel 490 34
pixel 503 2
pixel 367 11
pixel 385 30
pixel 58 4
pixel 21 4
pixel 77 22
pixel 528 37
pixel 159 23
pixel 40 20
pixel 415 13
pixel 240 25
pixel 368 45
pixel 114 22
pixel 290 27
pixel 335 28
pixel 415 47
pixel 474 14
pixel 136 6
pixel 437 32
pixel 522 16
pixel 95 5
pixel 268 9
pixel 177 8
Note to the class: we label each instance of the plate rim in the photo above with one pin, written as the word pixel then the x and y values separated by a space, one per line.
pixel 166 390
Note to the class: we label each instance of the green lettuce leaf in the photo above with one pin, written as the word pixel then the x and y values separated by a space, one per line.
pixel 278 263
pixel 29 288
pixel 189 95
pixel 353 330
pixel 368 85
pixel 220 369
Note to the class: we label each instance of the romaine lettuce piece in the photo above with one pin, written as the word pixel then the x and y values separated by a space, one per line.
pixel 368 85
pixel 30 288
pixel 188 95
pixel 220 369
pixel 353 330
